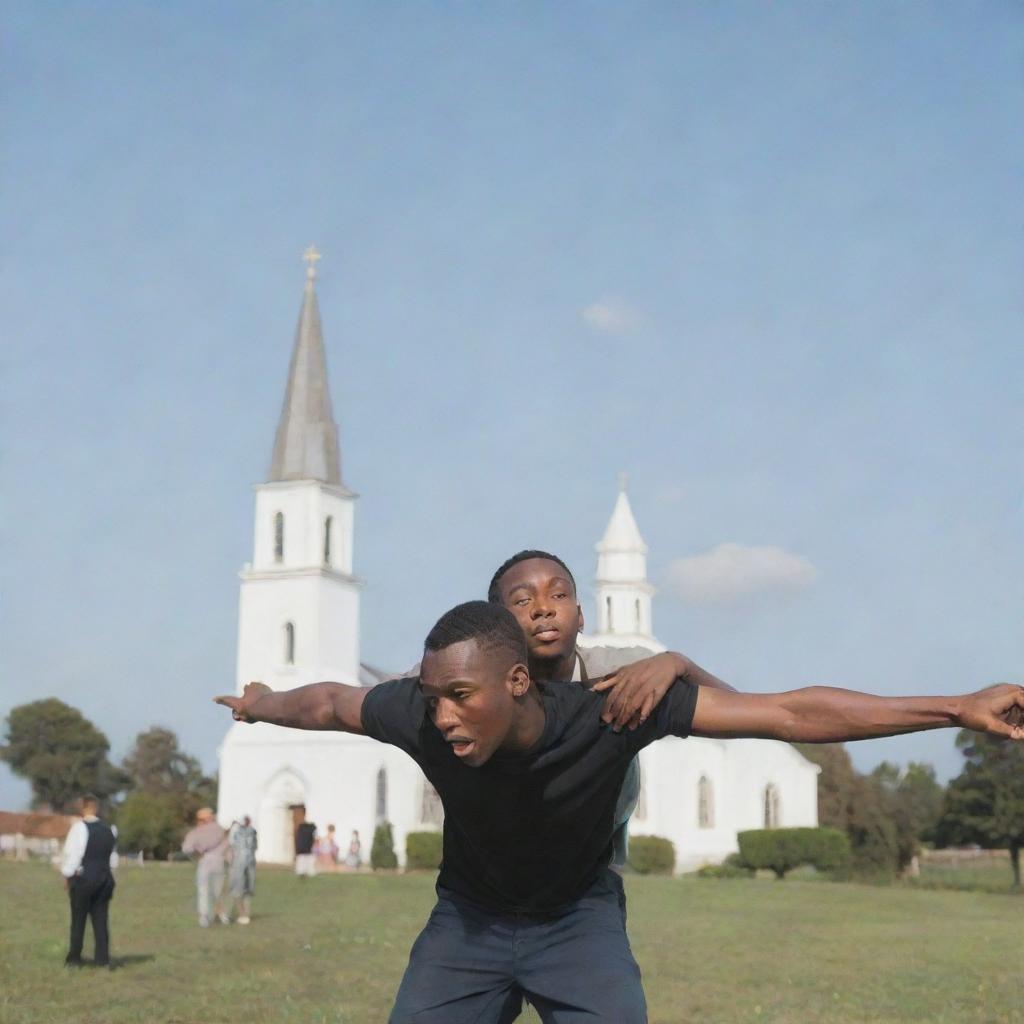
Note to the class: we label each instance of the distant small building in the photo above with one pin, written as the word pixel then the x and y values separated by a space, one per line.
pixel 25 835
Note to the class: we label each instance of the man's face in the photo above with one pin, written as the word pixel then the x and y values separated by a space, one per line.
pixel 539 593
pixel 472 697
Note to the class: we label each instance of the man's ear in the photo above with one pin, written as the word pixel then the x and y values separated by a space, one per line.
pixel 518 680
pixel 579 618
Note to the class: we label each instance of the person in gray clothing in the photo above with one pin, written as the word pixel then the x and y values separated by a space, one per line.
pixel 540 591
pixel 242 877
pixel 210 842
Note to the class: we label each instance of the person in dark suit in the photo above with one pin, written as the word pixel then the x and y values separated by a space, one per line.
pixel 90 856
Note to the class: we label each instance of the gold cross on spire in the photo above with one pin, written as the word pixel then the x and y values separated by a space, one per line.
pixel 311 256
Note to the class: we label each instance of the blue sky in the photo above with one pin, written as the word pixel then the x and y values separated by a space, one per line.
pixel 766 259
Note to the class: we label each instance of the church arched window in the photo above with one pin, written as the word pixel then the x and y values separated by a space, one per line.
pixel 328 523
pixel 279 537
pixel 289 643
pixel 608 612
pixel 431 810
pixel 639 620
pixel 705 803
pixel 771 806
pixel 382 795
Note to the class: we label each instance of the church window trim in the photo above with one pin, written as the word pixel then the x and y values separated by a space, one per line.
pixel 705 803
pixel 772 813
pixel 608 612
pixel 289 643
pixel 279 537
pixel 328 526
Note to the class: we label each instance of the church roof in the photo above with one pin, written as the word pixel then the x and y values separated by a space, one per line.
pixel 622 534
pixel 306 444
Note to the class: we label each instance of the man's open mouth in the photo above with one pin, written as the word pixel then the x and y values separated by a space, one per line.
pixel 461 747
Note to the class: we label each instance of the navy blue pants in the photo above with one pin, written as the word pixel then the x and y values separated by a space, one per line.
pixel 469 966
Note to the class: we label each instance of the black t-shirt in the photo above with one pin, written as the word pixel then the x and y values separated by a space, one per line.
pixel 305 835
pixel 527 832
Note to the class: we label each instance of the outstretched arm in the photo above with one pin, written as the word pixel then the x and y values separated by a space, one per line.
pixel 634 691
pixel 317 706
pixel 821 714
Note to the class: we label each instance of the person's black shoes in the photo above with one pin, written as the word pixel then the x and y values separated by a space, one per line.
pixel 74 962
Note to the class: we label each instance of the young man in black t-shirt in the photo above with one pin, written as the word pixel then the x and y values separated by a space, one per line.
pixel 529 777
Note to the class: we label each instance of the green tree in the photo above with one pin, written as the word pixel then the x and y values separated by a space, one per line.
pixel 382 853
pixel 985 803
pixel 856 805
pixel 167 788
pixel 61 753
pixel 156 764
pixel 151 823
pixel 913 802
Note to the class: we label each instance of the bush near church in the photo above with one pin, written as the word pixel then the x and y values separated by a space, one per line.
pixel 731 867
pixel 382 853
pixel 651 855
pixel 422 851
pixel 782 849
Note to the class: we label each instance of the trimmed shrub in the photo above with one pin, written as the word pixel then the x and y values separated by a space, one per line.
pixel 382 853
pixel 731 867
pixel 651 855
pixel 422 851
pixel 782 849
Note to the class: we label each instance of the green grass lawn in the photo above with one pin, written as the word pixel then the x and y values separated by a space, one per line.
pixel 332 949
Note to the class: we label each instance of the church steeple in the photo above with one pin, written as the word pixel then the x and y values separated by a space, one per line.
pixel 623 593
pixel 306 444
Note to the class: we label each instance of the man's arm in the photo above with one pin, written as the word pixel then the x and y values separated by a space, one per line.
pixel 821 714
pixel 74 849
pixel 634 691
pixel 332 706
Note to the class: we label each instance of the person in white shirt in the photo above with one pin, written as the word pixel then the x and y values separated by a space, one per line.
pixel 90 856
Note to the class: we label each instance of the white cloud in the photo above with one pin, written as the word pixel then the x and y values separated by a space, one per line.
pixel 611 317
pixel 730 572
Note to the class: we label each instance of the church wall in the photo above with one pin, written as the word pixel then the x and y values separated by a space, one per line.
pixel 322 651
pixel 265 769
pixel 738 772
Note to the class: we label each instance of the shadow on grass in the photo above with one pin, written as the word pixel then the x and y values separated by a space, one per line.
pixel 131 960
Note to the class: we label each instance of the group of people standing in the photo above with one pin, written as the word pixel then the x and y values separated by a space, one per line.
pixel 225 855
pixel 315 850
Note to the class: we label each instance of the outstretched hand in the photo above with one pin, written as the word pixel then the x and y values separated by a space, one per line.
pixel 241 706
pixel 634 691
pixel 997 710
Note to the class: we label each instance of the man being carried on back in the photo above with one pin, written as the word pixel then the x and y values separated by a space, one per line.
pixel 529 779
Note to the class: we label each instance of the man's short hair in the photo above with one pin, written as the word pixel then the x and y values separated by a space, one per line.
pixel 89 798
pixel 490 625
pixel 493 591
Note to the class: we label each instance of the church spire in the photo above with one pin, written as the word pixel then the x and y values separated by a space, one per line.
pixel 306 444
pixel 623 593
pixel 622 538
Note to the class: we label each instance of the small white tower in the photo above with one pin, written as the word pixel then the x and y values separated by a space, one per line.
pixel 622 591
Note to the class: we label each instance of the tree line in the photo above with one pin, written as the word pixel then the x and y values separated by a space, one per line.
pixel 887 815
pixel 890 813
pixel 152 795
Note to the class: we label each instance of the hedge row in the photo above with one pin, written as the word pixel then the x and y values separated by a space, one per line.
pixel 782 849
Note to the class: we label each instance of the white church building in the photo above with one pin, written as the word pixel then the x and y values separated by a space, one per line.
pixel 299 623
